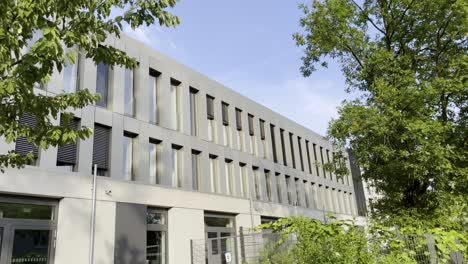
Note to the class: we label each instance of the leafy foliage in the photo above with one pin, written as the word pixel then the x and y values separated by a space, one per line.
pixel 408 62
pixel 26 62
pixel 344 242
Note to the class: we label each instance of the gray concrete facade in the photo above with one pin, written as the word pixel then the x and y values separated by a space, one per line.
pixel 122 200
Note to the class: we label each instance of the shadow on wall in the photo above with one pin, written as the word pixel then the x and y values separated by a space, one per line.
pixel 124 253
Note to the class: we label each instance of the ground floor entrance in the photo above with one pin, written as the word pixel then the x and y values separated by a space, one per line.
pixel 27 231
pixel 221 239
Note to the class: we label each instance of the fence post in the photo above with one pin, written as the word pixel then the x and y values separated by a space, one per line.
pixel 242 244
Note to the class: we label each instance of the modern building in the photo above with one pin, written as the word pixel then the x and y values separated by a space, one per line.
pixel 180 157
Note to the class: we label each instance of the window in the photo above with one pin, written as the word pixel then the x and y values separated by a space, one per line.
pixel 288 189
pixel 70 72
pixel 314 195
pixel 283 147
pixel 262 137
pixel 176 166
pixel 240 135
pixel 226 129
pixel 299 143
pixel 322 162
pixel 229 177
pixel 210 107
pixel 155 164
pixel 244 180
pixel 257 183
pixel 101 143
pixel 153 95
pixel 23 146
pixel 316 159
pixel 253 143
pixel 129 103
pixel 175 105
pixel 278 187
pixel 156 236
pixel 214 182
pixel 66 154
pixel 308 156
pixel 298 192
pixel 128 156
pixel 268 185
pixel 195 169
pixel 291 144
pixel 102 84
pixel 210 117
pixel 273 143
pixel 193 111
pixel 306 194
pixel 328 161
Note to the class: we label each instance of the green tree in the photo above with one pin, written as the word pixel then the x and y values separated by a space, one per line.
pixel 407 61
pixel 26 62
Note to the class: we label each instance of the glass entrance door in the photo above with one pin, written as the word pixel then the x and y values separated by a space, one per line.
pixel 220 239
pixel 26 232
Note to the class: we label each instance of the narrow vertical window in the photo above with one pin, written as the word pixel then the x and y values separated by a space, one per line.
pixel 316 159
pixel 263 139
pixel 298 192
pixel 299 143
pixel 66 154
pixel 288 189
pixel 278 187
pixel 101 142
pixel 273 143
pixel 155 164
pixel 129 93
pixel 308 156
pixel 102 84
pixel 211 118
pixel 177 176
pixel 214 174
pixel 225 118
pixel 268 185
pixel 291 145
pixel 23 146
pixel 283 147
pixel 240 135
pixel 229 177
pixel 153 95
pixel 128 155
pixel 193 111
pixel 257 183
pixel 328 161
pixel 175 105
pixel 244 179
pixel 195 169
pixel 306 194
pixel 253 143
pixel 70 72
pixel 322 162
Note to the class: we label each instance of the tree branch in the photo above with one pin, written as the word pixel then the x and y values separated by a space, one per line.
pixel 368 18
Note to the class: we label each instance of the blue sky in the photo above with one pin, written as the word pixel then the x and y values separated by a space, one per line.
pixel 247 46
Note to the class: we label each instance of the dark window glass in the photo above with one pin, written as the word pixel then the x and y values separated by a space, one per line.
pixel 283 148
pixel 238 119
pixel 31 246
pixel 210 107
pixel 262 129
pixel 299 143
pixel 102 82
pixel 273 143
pixel 291 144
pixel 23 146
pixel 218 221
pixel 156 247
pixel 251 126
pixel 225 113
pixel 26 211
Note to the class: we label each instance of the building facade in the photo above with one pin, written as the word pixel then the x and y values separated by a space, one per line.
pixel 180 157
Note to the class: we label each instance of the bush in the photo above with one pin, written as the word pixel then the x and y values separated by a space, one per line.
pixel 344 242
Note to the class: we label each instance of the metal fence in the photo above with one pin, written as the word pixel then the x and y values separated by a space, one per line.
pixel 262 247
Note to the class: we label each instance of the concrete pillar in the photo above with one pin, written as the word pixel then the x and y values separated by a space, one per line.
pixel 141 90
pixel 184 225
pixel 73 229
pixel 116 148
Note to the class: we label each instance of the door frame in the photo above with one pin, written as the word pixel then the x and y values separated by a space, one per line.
pixel 218 230
pixel 9 225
